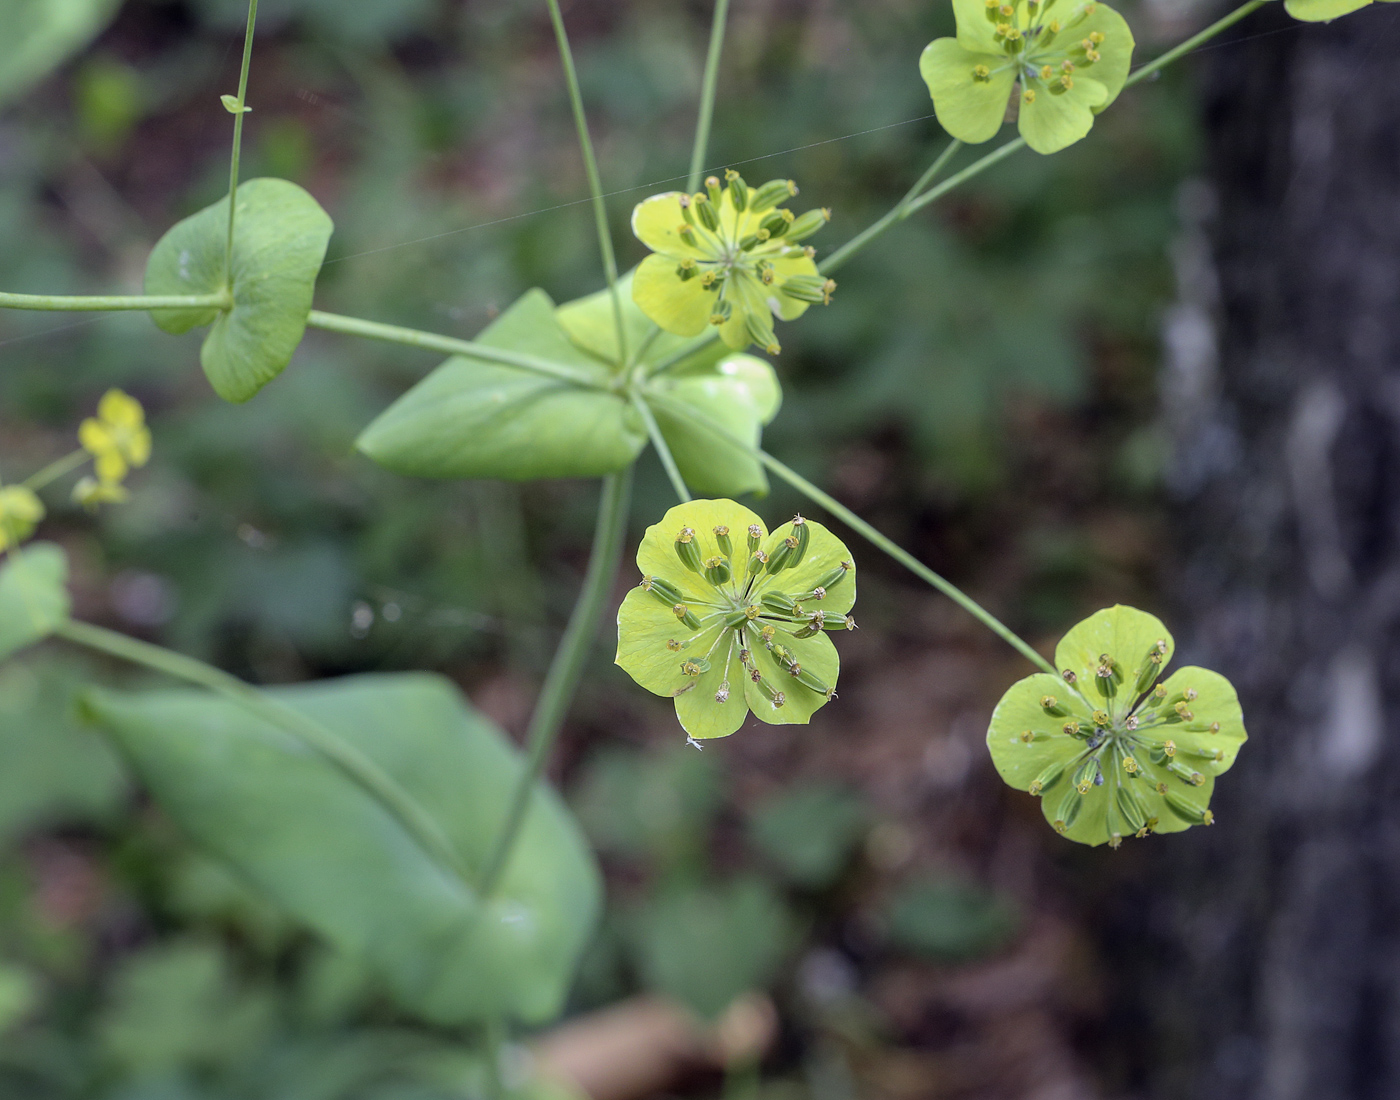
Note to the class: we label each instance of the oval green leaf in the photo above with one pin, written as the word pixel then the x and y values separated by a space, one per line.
pixel 33 595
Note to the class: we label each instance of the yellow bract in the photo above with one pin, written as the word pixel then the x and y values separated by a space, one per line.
pixel 117 438
pixel 20 513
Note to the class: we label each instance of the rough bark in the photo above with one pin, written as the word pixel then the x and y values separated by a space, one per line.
pixel 1277 932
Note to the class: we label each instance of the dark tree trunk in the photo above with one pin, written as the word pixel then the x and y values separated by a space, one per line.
pixel 1278 969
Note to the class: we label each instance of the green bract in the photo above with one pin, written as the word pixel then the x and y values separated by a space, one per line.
pixel 1111 751
pixel 279 242
pixel 1324 11
pixel 472 418
pixel 1065 61
pixel 33 595
pixel 728 257
pixel 729 618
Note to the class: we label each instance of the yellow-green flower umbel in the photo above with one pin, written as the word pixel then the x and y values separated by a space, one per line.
pixel 1064 61
pixel 728 256
pixel 117 438
pixel 729 618
pixel 1110 750
pixel 20 513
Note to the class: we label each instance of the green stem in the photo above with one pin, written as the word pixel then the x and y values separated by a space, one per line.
pixel 494 1040
pixel 567 668
pixel 836 508
pixel 1194 41
pixel 55 470
pixel 238 138
pixel 662 450
pixel 431 341
pixel 976 168
pixel 358 767
pixel 590 165
pixel 707 96
pixel 898 214
pixel 105 303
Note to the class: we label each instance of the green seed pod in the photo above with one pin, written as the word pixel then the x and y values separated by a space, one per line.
pixel 713 190
pixel 738 190
pixel 834 623
pixel 770 194
pixel 1086 774
pixel 1050 705
pixel 1186 774
pixel 755 536
pixel 1068 810
pixel 687 616
pixel 779 559
pixel 808 223
pixel 705 212
pixel 663 590
pixel 1131 808
pixel 757 560
pixel 687 270
pixel 1047 779
pixel 717 570
pixel 777 223
pixel 696 666
pixel 779 603
pixel 835 577
pixel 803 534
pixel 753 239
pixel 759 327
pixel 774 696
pixel 688 550
pixel 1187 810
pixel 735 619
pixel 722 537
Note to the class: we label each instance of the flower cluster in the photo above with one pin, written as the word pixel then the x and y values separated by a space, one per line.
pixel 1064 61
pixel 729 618
pixel 728 256
pixel 20 513
pixel 1110 750
pixel 118 439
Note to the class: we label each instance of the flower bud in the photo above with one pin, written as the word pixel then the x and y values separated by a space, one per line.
pixel 688 550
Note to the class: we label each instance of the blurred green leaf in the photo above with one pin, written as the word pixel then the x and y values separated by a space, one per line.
pixel 470 418
pixel 41 34
pixel 707 945
pixel 810 831
pixel 335 859
pixel 111 99
pixel 280 238
pixel 33 595
pixel 946 918
pixel 19 993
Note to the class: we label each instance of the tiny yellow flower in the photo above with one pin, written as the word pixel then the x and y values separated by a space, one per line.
pixel 20 513
pixel 90 492
pixel 117 438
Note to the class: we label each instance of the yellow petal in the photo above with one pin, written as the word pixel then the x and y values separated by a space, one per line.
pixel 111 466
pixel 120 410
pixel 681 306
pixel 96 437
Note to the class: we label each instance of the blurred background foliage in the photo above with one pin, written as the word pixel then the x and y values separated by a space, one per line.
pixel 982 389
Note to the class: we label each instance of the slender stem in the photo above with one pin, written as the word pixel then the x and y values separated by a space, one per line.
pixel 567 667
pixel 590 165
pixel 681 354
pixel 662 450
pixel 836 508
pixel 707 96
pixel 55 470
pixel 494 1040
pixel 378 784
pixel 897 214
pixel 976 168
pixel 1194 41
pixel 238 138
pixel 105 303
pixel 431 341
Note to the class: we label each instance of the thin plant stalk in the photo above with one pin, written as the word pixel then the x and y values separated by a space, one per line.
pixel 109 303
pixel 662 450
pixel 889 546
pixel 1195 40
pixel 708 88
pixel 590 166
pixel 566 670
pixel 372 779
pixel 238 138
pixel 55 470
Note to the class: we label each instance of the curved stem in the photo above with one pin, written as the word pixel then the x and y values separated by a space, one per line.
pixel 105 303
pixel 1194 41
pixel 976 168
pixel 238 138
pixel 55 470
pixel 567 667
pixel 707 96
pixel 836 508
pixel 590 165
pixel 898 214
pixel 431 341
pixel 662 450
pixel 375 782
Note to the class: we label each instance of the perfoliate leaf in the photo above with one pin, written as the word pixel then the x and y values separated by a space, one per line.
pixel 279 243
pixel 332 857
pixel 33 595
pixel 1110 748
pixel 471 418
pixel 41 34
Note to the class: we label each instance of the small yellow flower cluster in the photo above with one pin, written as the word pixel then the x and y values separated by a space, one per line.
pixel 20 513
pixel 118 439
